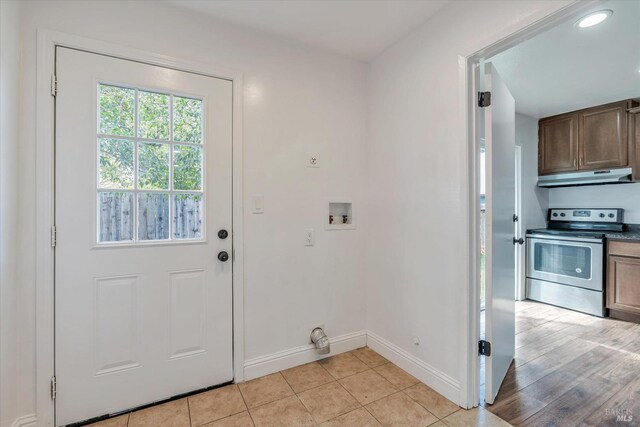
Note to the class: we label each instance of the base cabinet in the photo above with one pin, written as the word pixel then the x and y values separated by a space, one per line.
pixel 623 280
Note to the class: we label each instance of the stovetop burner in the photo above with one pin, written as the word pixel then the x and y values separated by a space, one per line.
pixel 586 223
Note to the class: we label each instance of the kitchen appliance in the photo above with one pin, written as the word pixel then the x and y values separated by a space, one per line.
pixel 565 261
pixel 607 176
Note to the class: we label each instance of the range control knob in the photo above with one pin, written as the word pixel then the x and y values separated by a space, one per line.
pixel 601 215
pixel 555 214
pixel 611 215
pixel 563 214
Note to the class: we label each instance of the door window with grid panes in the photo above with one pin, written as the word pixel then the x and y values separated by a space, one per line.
pixel 150 166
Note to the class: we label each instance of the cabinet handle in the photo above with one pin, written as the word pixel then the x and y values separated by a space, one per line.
pixel 581 161
pixel 575 163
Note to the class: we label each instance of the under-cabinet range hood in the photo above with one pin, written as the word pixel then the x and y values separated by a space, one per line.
pixel 608 176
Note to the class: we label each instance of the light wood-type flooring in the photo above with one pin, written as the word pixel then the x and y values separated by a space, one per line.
pixel 571 369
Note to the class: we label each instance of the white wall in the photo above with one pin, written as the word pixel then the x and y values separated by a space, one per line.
pixel 626 196
pixel 535 200
pixel 417 210
pixel 10 17
pixel 296 101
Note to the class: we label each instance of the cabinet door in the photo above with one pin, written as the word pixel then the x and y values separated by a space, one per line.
pixel 603 137
pixel 558 144
pixel 623 284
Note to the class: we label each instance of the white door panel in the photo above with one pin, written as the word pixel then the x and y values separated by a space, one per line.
pixel 500 200
pixel 140 320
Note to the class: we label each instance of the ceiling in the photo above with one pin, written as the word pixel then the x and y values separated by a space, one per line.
pixel 358 29
pixel 569 68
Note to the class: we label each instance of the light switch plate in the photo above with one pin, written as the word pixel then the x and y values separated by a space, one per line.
pixel 313 160
pixel 258 205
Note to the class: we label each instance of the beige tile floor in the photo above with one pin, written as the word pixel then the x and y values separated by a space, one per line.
pixel 359 388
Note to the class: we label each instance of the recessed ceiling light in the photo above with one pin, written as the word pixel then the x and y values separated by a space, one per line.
pixel 594 18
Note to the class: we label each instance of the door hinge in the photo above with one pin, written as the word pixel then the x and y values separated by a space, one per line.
pixel 484 99
pixel 54 388
pixel 54 236
pixel 515 218
pixel 484 348
pixel 54 85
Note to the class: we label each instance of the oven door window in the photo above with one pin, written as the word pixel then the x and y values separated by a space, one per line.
pixel 563 260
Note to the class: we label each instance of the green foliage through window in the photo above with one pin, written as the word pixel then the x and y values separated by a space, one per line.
pixel 163 213
pixel 153 115
pixel 116 163
pixel 153 166
pixel 117 105
pixel 187 169
pixel 187 120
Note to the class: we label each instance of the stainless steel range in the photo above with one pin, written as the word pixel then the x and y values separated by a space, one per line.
pixel 565 261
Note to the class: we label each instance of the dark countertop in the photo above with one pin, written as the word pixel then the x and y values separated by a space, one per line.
pixel 632 233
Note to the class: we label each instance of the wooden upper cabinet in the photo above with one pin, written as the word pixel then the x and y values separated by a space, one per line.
pixel 595 138
pixel 558 144
pixel 602 136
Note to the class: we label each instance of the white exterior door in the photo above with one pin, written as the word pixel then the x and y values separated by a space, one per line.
pixel 143 304
pixel 500 202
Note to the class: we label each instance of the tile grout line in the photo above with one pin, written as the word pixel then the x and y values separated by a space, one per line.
pixel 358 405
pixel 298 397
pixel 307 409
pixel 189 410
pixel 359 358
pixel 340 385
pixel 245 404
pixel 420 404
pixel 372 414
pixel 287 382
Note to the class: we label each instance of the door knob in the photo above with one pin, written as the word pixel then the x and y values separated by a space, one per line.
pixel 223 256
pixel 223 234
pixel 519 241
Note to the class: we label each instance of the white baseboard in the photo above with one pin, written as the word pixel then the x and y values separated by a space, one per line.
pixel 264 365
pixel 434 378
pixel 25 421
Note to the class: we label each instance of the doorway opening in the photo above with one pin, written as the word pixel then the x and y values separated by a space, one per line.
pixel 549 339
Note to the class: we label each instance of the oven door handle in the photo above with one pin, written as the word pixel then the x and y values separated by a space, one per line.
pixel 519 241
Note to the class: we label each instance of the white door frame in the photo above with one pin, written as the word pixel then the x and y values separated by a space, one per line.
pixel 520 249
pixel 45 119
pixel 469 86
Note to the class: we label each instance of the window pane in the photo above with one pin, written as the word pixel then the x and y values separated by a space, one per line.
pixel 116 111
pixel 153 166
pixel 153 115
pixel 187 120
pixel 115 211
pixel 187 167
pixel 153 216
pixel 116 163
pixel 187 219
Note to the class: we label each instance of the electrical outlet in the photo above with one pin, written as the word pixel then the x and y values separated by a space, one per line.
pixel 313 160
pixel 309 237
